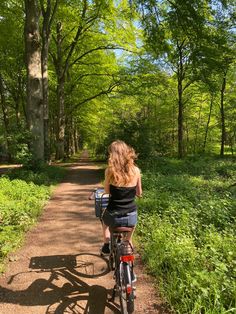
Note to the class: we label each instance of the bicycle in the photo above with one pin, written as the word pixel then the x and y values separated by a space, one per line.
pixel 121 258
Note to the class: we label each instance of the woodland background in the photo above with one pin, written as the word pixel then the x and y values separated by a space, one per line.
pixel 158 74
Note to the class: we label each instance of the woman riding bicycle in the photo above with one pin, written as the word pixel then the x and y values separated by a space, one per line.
pixel 123 183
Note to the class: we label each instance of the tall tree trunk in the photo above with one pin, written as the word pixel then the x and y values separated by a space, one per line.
pixel 45 49
pixel 180 121
pixel 197 130
pixel 34 79
pixel 222 116
pixel 76 139
pixel 18 100
pixel 48 17
pixel 207 125
pixel 187 136
pixel 61 120
pixel 60 137
pixel 62 71
pixel 173 128
pixel 5 117
pixel 23 100
pixel 232 142
pixel 4 105
pixel 180 74
pixel 67 138
pixel 72 141
pixel 70 137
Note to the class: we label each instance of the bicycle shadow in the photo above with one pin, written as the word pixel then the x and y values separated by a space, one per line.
pixel 63 291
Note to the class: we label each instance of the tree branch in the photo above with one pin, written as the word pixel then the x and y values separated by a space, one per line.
pixel 53 57
pixel 86 75
pixel 98 48
pixel 42 7
pixel 89 51
pixel 74 42
pixel 53 13
pixel 109 90
pixel 188 84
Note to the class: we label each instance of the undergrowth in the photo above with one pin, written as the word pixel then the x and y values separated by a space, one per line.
pixel 22 196
pixel 187 231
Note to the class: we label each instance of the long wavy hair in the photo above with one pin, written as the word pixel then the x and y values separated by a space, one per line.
pixel 121 166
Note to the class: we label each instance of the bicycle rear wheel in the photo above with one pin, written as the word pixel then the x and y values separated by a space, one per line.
pixel 126 292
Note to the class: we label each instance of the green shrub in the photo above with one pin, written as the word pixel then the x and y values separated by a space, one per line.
pixel 187 230
pixel 22 196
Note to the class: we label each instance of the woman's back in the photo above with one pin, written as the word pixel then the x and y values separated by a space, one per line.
pixel 134 182
pixel 122 199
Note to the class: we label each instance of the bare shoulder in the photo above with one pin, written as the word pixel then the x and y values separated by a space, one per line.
pixel 137 170
pixel 107 171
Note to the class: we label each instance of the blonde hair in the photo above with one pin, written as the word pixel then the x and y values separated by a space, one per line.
pixel 121 167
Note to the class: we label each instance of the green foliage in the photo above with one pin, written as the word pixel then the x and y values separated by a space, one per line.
pixel 22 196
pixel 44 175
pixel 142 108
pixel 187 230
pixel 18 140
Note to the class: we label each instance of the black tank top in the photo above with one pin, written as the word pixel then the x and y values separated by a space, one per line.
pixel 122 199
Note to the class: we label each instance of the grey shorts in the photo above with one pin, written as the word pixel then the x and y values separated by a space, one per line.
pixel 127 220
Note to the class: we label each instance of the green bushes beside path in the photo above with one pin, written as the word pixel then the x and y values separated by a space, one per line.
pixel 187 230
pixel 22 196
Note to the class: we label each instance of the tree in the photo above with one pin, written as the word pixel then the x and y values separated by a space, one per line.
pixel 174 32
pixel 216 54
pixel 35 110
pixel 80 41
pixel 170 28
pixel 12 76
pixel 48 12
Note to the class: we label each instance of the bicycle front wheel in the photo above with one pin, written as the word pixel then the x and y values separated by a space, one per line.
pixel 126 292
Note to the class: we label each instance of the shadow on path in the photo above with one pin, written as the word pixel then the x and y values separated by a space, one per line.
pixel 64 291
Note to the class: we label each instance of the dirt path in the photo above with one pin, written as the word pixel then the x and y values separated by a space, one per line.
pixel 59 270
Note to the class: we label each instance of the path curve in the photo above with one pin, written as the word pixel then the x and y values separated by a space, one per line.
pixel 59 270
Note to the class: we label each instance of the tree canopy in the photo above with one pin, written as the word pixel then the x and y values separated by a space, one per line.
pixel 158 74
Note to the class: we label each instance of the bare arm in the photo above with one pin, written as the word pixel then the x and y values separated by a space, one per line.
pixel 106 183
pixel 139 190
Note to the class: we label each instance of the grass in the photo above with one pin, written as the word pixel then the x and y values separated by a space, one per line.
pixel 23 194
pixel 187 230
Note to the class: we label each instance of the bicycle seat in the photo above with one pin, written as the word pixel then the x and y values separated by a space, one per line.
pixel 122 229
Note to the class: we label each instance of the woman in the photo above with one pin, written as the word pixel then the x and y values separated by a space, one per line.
pixel 123 183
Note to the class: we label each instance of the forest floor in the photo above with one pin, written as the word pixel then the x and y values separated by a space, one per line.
pixel 59 269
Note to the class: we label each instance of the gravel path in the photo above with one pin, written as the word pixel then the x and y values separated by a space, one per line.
pixel 59 270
